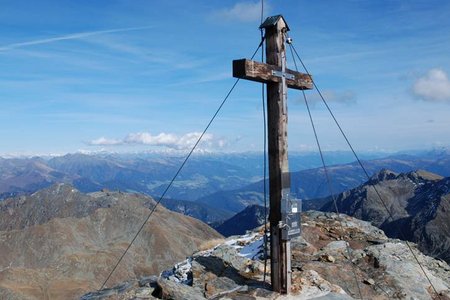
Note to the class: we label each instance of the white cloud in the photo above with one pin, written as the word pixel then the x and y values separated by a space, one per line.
pixel 242 11
pixel 433 87
pixel 104 141
pixel 73 36
pixel 168 140
pixel 146 138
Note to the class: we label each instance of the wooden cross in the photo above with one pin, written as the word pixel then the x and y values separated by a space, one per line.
pixel 278 78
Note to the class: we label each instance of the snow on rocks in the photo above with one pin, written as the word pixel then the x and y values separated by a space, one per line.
pixel 250 245
pixel 253 250
pixel 236 255
pixel 181 272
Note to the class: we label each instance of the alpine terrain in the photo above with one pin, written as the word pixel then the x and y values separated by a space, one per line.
pixel 337 257
pixel 418 204
pixel 59 243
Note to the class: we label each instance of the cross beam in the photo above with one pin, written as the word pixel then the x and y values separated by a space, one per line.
pixel 278 78
pixel 264 73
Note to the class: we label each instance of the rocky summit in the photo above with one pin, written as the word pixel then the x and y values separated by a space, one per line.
pixel 59 243
pixel 414 206
pixel 337 257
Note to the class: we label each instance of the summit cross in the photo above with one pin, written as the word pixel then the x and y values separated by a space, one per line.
pixel 283 210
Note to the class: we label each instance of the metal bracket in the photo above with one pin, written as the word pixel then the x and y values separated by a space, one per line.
pixel 283 74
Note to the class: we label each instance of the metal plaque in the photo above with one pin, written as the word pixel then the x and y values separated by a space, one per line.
pixel 290 217
pixel 283 74
pixel 291 226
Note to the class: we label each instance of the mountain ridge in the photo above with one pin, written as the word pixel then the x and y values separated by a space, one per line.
pixel 60 243
pixel 312 184
pixel 418 204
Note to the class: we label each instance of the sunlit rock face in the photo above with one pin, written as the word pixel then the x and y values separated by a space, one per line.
pixel 418 204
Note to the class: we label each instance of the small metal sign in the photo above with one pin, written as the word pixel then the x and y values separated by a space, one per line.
pixel 291 218
pixel 291 226
pixel 283 74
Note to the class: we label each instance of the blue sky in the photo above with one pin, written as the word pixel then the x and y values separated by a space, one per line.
pixel 148 75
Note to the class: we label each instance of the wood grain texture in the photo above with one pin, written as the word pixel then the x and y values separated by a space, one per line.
pixel 278 155
pixel 261 72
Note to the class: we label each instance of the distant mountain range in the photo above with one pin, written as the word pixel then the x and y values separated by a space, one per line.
pixel 147 173
pixel 311 184
pixel 418 204
pixel 59 243
pixel 27 175
pixel 211 187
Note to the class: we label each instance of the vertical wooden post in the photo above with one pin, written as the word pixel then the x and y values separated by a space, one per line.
pixel 278 157
pixel 284 215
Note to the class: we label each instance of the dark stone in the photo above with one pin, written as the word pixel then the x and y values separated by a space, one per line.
pixel 376 262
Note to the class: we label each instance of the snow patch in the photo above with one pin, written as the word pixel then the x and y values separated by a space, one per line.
pixel 253 250
pixel 180 273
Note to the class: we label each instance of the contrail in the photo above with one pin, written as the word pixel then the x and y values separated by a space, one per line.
pixel 72 36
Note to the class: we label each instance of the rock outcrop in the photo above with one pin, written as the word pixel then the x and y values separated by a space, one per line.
pixel 59 243
pixel 337 257
pixel 418 204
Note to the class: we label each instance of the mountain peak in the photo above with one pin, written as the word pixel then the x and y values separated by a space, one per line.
pixel 62 242
pixel 416 176
pixel 383 174
pixel 321 267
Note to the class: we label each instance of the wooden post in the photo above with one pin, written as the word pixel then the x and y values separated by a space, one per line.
pixel 278 156
pixel 278 79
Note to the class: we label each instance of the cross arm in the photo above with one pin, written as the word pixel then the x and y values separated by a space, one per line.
pixel 265 73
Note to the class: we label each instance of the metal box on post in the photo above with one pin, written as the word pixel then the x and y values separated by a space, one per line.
pixel 291 209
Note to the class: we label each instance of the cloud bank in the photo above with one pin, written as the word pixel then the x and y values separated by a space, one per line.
pixel 168 140
pixel 242 12
pixel 433 87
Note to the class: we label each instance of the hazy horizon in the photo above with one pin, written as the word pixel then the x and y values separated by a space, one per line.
pixel 183 153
